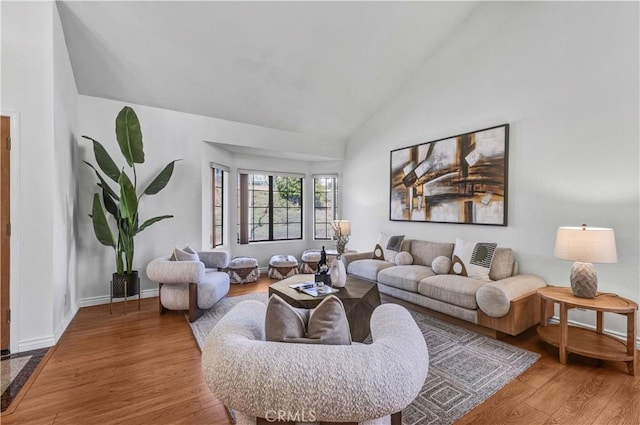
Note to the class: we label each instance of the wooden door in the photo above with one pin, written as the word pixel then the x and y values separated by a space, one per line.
pixel 5 232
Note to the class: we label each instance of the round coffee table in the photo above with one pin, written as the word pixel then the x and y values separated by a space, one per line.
pixel 359 297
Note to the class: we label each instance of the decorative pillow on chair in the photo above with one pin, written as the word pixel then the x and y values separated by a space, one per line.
pixel 325 324
pixel 473 259
pixel 186 254
pixel 390 246
pixel 284 322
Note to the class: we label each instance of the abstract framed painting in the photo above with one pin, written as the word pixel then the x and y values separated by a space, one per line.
pixel 460 179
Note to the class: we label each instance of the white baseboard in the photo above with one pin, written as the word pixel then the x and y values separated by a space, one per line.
pixel 619 335
pixel 104 299
pixel 51 340
pixel 36 343
pixel 65 322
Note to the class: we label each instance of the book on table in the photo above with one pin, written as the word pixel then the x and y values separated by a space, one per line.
pixel 312 288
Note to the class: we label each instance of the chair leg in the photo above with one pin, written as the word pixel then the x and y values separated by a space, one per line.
pixel 396 418
pixel 194 311
pixel 160 306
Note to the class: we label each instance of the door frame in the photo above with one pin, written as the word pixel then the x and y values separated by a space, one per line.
pixel 14 263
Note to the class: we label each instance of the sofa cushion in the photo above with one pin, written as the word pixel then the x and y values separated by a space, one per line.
pixel 456 290
pixel 368 268
pixel 404 277
pixel 502 266
pixel 473 259
pixel 424 252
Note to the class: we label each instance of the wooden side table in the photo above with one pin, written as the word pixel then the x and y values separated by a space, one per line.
pixel 587 342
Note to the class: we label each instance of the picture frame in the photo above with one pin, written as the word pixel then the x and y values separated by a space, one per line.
pixel 460 179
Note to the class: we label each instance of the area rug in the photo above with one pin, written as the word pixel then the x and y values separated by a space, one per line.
pixel 465 368
pixel 16 369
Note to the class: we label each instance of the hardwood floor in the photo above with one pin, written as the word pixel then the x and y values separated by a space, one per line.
pixel 144 368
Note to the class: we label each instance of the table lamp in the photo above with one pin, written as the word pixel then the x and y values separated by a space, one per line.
pixel 341 231
pixel 585 245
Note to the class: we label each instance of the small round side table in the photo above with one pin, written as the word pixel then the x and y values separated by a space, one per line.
pixel 583 341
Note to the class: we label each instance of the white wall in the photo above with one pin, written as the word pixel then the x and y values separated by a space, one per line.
pixel 65 160
pixel 27 90
pixel 565 76
pixel 169 135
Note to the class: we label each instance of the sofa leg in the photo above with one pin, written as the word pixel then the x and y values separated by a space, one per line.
pixel 161 308
pixel 194 311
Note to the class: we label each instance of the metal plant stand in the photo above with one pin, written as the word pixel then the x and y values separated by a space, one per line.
pixel 125 296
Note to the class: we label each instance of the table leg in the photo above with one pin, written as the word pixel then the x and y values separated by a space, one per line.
pixel 562 344
pixel 631 343
pixel 599 322
pixel 543 312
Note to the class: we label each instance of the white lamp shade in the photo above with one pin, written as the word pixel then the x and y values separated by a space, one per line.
pixel 586 244
pixel 344 226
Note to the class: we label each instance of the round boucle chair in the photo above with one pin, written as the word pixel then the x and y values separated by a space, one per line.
pixel 194 286
pixel 331 383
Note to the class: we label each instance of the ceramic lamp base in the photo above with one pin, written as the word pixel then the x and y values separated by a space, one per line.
pixel 584 281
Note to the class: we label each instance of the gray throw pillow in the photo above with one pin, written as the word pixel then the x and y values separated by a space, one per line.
pixel 395 242
pixel 186 254
pixel 328 323
pixel 325 324
pixel 284 322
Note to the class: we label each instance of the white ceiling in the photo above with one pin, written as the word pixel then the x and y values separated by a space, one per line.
pixel 318 68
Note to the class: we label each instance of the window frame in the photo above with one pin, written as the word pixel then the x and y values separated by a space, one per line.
pixel 334 209
pixel 272 190
pixel 214 242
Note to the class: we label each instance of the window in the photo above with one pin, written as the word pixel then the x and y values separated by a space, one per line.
pixel 270 207
pixel 217 205
pixel 325 196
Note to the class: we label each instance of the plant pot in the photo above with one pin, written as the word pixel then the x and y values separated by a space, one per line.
pixel 128 280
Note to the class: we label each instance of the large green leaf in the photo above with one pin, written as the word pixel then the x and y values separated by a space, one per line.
pixel 129 136
pixel 103 184
pixel 109 203
pixel 128 198
pixel 104 161
pixel 100 224
pixel 161 179
pixel 149 222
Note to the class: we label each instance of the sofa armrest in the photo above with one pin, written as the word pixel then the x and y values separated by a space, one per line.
pixel 494 298
pixel 353 256
pixel 163 270
pixel 214 259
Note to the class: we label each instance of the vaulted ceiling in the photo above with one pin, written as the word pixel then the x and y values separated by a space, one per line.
pixel 318 68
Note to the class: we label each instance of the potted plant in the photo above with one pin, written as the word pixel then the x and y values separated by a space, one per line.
pixel 122 203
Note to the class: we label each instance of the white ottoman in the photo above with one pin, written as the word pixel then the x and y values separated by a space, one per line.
pixel 309 261
pixel 282 266
pixel 243 270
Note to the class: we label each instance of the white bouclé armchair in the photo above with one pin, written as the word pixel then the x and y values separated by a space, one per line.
pixel 365 383
pixel 190 285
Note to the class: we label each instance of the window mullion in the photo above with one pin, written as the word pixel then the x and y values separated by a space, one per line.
pixel 270 208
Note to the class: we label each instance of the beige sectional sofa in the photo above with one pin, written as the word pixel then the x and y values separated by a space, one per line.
pixel 506 303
